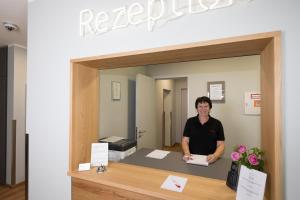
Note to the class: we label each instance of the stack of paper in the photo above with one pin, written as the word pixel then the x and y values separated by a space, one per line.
pixel 174 183
pixel 112 139
pixel 158 154
pixel 198 160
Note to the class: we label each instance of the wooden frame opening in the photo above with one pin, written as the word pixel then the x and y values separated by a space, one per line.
pixel 84 124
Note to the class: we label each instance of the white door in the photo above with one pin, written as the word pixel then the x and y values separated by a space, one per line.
pixel 145 112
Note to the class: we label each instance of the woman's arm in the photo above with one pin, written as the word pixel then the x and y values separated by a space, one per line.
pixel 185 148
pixel 218 153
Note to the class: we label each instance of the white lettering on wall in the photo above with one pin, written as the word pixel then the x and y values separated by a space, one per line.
pixel 101 18
pixel 174 11
pixel 152 15
pixel 134 10
pixel 86 17
pixel 221 4
pixel 156 11
pixel 121 13
pixel 197 7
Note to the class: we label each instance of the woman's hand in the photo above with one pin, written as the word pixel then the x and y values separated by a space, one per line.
pixel 186 157
pixel 211 158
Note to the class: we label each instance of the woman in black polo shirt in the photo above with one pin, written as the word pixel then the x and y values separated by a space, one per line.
pixel 203 134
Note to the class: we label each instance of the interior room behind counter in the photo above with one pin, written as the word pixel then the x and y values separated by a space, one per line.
pixel 241 74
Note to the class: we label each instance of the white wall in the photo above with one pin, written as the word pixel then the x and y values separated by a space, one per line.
pixel 240 74
pixel 53 40
pixel 16 101
pixel 117 117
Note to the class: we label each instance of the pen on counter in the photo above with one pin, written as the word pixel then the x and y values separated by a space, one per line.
pixel 176 184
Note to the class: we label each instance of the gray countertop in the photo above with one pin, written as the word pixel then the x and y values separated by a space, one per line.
pixel 173 162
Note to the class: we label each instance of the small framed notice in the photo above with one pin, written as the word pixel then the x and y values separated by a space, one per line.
pixel 115 90
pixel 99 154
pixel 252 103
pixel 216 91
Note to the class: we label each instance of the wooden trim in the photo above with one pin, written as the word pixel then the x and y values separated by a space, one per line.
pixel 72 103
pixel 84 121
pixel 238 39
pixel 82 189
pixel 277 190
pixel 220 48
pixel 271 117
pixel 85 113
pixel 13 161
pixel 267 112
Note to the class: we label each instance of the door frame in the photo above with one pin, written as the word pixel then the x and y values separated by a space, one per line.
pixel 186 89
pixel 84 123
pixel 3 114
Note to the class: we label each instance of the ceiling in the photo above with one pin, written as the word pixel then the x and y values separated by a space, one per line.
pixel 14 11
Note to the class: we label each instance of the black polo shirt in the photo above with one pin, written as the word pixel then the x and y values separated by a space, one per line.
pixel 203 137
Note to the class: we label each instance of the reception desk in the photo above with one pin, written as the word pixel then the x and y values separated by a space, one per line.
pixel 173 162
pixel 140 178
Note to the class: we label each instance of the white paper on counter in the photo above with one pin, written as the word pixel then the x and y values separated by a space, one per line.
pixel 174 183
pixel 84 166
pixel 158 154
pixel 198 160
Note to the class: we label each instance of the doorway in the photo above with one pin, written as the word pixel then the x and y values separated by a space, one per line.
pixel 171 101
pixel 167 118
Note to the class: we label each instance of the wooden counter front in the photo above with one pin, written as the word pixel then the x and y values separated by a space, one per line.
pixel 123 181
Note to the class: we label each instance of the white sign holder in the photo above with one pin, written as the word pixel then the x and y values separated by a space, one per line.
pixel 99 156
pixel 251 184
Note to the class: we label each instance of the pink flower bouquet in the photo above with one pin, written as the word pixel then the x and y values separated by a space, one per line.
pixel 251 158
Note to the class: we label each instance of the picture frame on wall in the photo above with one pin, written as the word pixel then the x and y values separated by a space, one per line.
pixel 216 91
pixel 115 90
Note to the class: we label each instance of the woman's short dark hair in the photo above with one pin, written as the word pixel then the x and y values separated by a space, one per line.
pixel 203 99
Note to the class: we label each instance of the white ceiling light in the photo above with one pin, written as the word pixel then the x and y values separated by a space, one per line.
pixel 10 26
